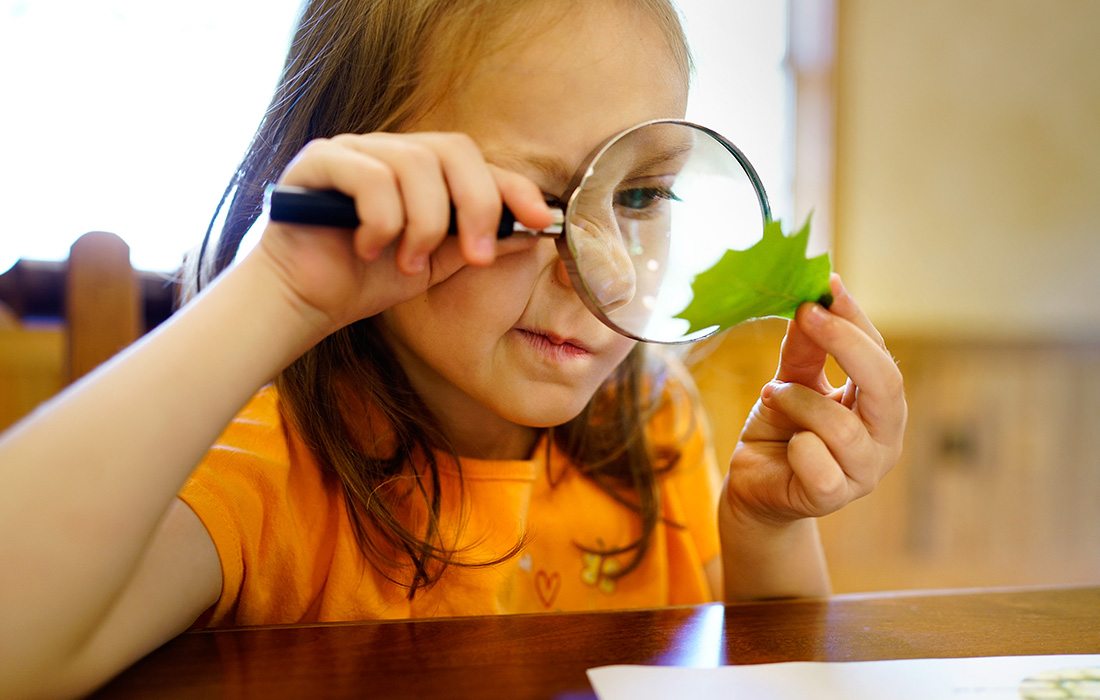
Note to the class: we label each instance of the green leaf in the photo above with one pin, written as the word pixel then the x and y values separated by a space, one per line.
pixel 772 278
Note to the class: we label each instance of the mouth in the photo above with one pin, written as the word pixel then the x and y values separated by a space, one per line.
pixel 553 345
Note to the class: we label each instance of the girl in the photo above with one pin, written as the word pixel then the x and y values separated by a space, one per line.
pixel 449 430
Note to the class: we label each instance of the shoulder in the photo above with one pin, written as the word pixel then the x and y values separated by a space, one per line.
pixel 258 428
pixel 269 510
pixel 257 459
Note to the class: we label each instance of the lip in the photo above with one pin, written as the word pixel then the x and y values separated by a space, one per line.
pixel 554 345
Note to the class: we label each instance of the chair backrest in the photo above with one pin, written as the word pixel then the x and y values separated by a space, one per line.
pixel 60 319
pixel 102 302
pixel 8 319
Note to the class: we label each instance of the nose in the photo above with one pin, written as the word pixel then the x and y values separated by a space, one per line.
pixel 604 264
pixel 561 273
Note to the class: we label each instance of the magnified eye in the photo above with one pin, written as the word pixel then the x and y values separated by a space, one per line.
pixel 643 200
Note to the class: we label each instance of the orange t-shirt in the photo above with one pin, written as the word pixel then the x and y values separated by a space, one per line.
pixel 289 554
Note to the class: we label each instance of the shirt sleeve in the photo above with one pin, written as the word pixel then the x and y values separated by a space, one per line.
pixel 235 492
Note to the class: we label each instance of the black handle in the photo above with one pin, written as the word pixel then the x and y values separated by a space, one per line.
pixel 299 205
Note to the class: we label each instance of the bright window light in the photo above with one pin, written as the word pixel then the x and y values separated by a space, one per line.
pixel 743 88
pixel 130 116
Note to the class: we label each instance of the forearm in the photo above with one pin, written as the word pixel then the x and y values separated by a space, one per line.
pixel 86 478
pixel 764 560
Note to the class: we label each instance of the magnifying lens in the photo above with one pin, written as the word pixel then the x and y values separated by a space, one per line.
pixel 651 208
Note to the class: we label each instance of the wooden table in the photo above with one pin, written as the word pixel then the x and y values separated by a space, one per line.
pixel 522 656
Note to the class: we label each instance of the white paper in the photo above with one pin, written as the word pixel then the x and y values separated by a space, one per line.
pixel 983 678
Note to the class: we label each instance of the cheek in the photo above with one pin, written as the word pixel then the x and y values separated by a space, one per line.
pixel 499 290
pixel 464 314
pixel 612 358
pixel 622 347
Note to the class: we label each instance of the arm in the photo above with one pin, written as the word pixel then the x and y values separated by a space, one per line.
pixel 89 476
pixel 177 577
pixel 93 546
pixel 807 450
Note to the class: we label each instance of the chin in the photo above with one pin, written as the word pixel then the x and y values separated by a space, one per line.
pixel 544 410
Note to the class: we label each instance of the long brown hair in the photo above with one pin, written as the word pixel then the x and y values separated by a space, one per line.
pixel 357 66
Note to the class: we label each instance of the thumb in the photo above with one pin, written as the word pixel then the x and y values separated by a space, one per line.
pixel 801 360
pixel 446 260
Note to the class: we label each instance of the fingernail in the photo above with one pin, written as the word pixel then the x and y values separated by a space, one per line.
pixel 417 263
pixel 818 316
pixel 767 391
pixel 837 286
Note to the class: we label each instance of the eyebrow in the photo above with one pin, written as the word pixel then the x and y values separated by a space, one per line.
pixel 670 154
pixel 559 172
pixel 644 167
pixel 552 167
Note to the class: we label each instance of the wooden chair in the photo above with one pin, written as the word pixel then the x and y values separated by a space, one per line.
pixel 102 302
pixel 61 319
pixel 8 319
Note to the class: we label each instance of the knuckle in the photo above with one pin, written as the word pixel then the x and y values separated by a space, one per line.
pixel 460 140
pixel 849 434
pixel 460 147
pixel 379 228
pixel 829 489
pixel 364 244
pixel 314 147
pixel 318 142
pixel 417 153
pixel 377 173
pixel 480 210
pixel 860 489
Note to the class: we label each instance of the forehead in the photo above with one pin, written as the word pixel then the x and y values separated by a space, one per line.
pixel 554 92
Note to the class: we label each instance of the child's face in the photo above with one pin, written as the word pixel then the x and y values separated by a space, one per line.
pixel 480 347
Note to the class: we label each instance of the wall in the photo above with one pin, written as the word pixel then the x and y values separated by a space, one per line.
pixel 968 164
pixel 954 146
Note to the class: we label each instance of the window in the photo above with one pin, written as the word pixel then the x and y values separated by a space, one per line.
pixel 130 116
pixel 742 87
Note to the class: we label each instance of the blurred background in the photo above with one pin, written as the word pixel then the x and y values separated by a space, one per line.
pixel 949 151
pixel 954 147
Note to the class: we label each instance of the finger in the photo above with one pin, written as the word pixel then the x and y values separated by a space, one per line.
pixel 845 306
pixel 423 191
pixel 838 428
pixel 473 190
pixel 821 486
pixel 325 164
pixel 524 198
pixel 872 369
pixel 802 360
pixel 768 424
pixel 849 394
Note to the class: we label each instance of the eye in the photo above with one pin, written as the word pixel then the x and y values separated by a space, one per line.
pixel 553 201
pixel 641 204
pixel 638 200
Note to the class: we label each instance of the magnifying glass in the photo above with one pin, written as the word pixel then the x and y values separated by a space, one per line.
pixel 651 208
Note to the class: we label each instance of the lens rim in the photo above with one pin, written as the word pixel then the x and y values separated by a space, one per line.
pixel 564 245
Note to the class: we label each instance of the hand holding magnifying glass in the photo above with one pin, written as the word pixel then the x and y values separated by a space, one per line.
pixel 651 209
